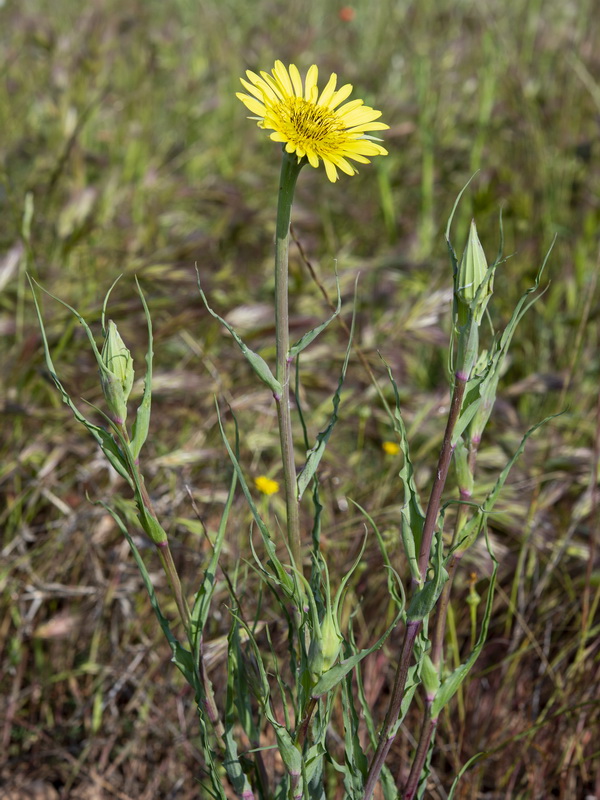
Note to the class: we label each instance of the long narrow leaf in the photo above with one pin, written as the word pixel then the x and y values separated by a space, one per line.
pixel 334 675
pixel 451 684
pixel 284 579
pixel 309 337
pixel 315 575
pixel 290 755
pixel 399 597
pixel 413 515
pixel 258 364
pixel 423 601
pixel 469 533
pixel 316 454
pixel 237 695
pixel 203 598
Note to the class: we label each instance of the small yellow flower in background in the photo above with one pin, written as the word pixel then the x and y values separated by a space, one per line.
pixel 266 485
pixel 313 125
pixel 391 448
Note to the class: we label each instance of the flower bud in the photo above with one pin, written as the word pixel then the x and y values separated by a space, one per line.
pixel 116 375
pixel 464 476
pixel 325 646
pixel 471 275
pixel 430 677
pixel 332 641
pixel 151 526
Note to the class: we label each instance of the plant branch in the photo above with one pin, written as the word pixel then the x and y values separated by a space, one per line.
pixel 433 507
pixel 303 727
pixel 427 731
pixel 386 737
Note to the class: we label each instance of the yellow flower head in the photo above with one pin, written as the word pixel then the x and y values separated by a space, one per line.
pixel 391 448
pixel 313 125
pixel 266 485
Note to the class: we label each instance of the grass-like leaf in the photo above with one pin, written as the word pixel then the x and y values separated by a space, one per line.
pixel 309 337
pixel 286 582
pixel 333 676
pixel 258 364
pixel 423 601
pixel 450 685
pixel 472 529
pixel 237 695
pixel 316 453
pixel 413 515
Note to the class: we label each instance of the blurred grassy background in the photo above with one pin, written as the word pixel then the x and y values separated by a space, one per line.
pixel 119 121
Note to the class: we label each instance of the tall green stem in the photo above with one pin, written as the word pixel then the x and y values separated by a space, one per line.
pixel 290 169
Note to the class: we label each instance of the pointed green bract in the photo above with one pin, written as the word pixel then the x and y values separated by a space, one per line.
pixel 430 676
pixel 141 424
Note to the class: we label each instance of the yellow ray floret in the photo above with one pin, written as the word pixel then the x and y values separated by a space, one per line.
pixel 312 125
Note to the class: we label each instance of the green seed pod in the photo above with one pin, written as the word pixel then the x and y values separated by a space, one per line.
pixel 471 275
pixel 117 373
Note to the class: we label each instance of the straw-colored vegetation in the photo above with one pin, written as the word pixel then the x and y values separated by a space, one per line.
pixel 123 150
